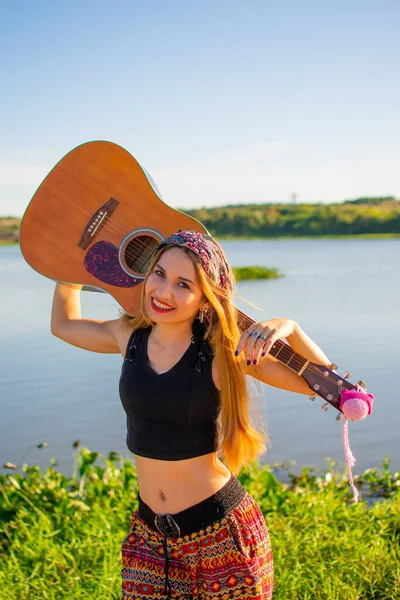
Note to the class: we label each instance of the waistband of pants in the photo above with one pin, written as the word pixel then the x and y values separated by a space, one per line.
pixel 198 516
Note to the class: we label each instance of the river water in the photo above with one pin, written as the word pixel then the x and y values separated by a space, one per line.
pixel 344 293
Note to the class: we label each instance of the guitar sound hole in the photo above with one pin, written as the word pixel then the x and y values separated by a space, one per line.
pixel 139 252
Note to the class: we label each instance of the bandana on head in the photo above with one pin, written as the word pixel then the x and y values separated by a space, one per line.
pixel 212 258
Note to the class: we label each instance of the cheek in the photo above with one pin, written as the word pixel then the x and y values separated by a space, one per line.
pixel 149 283
pixel 191 301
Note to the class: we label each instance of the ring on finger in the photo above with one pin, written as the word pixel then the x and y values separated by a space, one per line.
pixel 256 334
pixel 262 337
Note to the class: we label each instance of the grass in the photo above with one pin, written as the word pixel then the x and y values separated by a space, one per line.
pixel 60 537
pixel 244 273
pixel 8 243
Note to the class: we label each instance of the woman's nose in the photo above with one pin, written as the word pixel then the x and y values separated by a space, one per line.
pixel 164 289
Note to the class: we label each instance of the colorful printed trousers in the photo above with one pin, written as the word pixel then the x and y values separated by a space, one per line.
pixel 218 549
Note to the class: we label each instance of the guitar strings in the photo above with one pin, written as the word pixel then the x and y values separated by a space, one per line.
pixel 298 363
pixel 136 246
pixel 115 227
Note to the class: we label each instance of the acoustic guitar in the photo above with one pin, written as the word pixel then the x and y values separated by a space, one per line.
pixel 96 220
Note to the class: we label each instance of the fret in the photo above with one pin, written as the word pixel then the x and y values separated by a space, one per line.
pixel 285 354
pixel 277 348
pixel 281 347
pixel 297 366
pixel 280 350
pixel 289 354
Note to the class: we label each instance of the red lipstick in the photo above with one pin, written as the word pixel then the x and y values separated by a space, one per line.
pixel 160 310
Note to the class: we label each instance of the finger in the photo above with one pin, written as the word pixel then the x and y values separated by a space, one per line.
pixel 251 344
pixel 258 351
pixel 269 342
pixel 246 335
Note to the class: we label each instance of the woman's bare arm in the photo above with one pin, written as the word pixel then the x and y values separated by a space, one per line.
pixel 89 334
pixel 305 346
pixel 271 371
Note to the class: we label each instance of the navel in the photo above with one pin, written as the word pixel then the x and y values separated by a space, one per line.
pixel 162 496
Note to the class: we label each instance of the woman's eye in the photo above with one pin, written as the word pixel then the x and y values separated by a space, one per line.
pixel 161 274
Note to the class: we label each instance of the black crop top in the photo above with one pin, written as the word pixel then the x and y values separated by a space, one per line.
pixel 171 416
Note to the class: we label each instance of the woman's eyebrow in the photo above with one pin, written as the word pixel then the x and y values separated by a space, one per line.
pixel 179 276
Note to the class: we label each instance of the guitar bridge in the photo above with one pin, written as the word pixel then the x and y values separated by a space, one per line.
pixel 96 222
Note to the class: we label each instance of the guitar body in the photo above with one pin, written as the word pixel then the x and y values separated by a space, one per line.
pixel 96 219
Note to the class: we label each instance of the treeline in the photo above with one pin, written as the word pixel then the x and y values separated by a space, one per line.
pixel 360 216
pixel 9 228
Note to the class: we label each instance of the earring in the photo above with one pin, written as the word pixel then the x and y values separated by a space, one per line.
pixel 202 315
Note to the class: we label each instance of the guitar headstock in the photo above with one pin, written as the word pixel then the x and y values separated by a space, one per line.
pixel 328 384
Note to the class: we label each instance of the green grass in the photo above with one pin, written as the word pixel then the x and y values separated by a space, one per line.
pixel 244 273
pixel 7 243
pixel 60 537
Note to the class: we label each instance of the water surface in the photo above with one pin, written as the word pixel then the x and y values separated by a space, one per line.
pixel 343 293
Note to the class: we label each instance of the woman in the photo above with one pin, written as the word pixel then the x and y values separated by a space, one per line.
pixel 197 533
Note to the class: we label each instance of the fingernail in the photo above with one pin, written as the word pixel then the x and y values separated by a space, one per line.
pixel 236 352
pixel 254 362
pixel 263 354
pixel 248 362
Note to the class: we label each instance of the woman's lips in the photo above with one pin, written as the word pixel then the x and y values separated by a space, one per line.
pixel 160 310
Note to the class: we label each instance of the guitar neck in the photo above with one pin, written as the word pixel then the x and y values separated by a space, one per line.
pixel 320 379
pixel 281 351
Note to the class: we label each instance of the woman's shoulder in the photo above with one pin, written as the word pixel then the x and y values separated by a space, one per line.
pixel 133 336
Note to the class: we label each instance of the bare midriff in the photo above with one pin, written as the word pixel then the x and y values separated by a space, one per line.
pixel 171 486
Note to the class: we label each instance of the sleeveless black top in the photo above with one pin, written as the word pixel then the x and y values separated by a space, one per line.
pixel 171 416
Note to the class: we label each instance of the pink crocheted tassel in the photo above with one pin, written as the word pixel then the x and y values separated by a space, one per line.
pixel 350 460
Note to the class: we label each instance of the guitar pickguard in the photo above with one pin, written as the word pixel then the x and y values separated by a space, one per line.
pixel 102 261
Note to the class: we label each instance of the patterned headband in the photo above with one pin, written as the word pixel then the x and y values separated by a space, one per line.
pixel 211 255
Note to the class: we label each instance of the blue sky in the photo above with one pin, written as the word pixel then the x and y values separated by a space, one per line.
pixel 223 101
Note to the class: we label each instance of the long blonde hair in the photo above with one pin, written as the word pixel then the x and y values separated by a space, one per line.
pixel 239 443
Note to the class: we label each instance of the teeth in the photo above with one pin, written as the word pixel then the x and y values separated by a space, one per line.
pixel 164 306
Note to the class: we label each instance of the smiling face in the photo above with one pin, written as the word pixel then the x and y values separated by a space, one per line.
pixel 172 291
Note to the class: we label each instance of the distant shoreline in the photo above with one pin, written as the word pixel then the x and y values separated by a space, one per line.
pixel 361 236
pixel 358 236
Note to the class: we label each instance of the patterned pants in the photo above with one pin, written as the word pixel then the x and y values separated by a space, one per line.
pixel 230 558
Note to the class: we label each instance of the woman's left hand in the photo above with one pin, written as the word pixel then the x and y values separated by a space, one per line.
pixel 259 338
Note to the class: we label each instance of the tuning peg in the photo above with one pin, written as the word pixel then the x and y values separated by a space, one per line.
pixel 362 383
pixel 346 375
pixel 312 397
pixel 333 366
pixel 325 407
pixel 339 416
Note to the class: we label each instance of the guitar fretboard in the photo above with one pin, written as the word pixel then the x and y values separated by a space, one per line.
pixel 281 351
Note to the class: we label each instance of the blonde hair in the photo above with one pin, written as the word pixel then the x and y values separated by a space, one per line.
pixel 239 443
